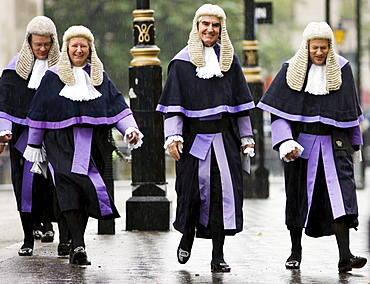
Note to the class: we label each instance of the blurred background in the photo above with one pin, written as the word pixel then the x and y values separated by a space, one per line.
pixel 112 21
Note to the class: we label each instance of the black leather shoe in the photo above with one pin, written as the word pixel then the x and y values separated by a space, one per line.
pixel 220 267
pixel 353 262
pixel 48 237
pixel 37 234
pixel 184 249
pixel 25 252
pixel 292 264
pixel 182 255
pixel 78 256
pixel 64 248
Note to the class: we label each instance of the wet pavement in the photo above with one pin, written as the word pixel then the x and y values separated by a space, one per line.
pixel 256 255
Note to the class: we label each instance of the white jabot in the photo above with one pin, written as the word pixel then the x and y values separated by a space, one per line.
pixel 212 67
pixel 38 71
pixel 316 82
pixel 82 89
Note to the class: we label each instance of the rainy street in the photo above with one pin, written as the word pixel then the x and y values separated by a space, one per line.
pixel 256 255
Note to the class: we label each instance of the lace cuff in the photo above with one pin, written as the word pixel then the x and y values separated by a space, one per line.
pixel 287 147
pixel 172 138
pixel 140 136
pixel 32 154
pixel 247 140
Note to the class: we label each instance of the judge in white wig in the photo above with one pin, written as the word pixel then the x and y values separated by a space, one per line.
pixel 18 84
pixel 206 103
pixel 73 122
pixel 316 116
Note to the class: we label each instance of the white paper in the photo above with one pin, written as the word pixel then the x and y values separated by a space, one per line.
pixel 246 166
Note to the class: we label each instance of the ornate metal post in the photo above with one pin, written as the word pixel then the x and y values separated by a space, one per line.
pixel 148 208
pixel 257 183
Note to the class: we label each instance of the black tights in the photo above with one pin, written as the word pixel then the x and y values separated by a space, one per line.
pixel 216 213
pixel 77 222
pixel 27 225
pixel 296 239
pixel 341 231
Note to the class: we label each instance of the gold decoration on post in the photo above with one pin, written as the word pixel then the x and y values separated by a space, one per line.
pixel 145 52
pixel 143 32
pixel 252 71
pixel 143 56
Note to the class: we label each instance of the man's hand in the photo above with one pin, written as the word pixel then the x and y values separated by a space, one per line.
pixel 133 137
pixel 291 156
pixel 175 149
pixel 4 139
pixel 247 146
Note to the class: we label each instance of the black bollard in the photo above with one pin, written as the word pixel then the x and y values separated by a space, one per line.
pixel 256 184
pixel 148 209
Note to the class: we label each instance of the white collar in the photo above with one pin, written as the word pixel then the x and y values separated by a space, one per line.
pixel 212 67
pixel 38 71
pixel 82 89
pixel 316 81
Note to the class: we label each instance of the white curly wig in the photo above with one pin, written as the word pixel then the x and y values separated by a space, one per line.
pixel 297 68
pixel 195 43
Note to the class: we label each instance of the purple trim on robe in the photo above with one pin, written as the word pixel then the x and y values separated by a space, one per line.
pixel 228 202
pixel 307 142
pixel 101 191
pixel 13 118
pixel 5 124
pixel 126 122
pixel 173 126
pixel 22 141
pixel 310 119
pixel 182 55
pixel 205 112
pixel 79 120
pixel 52 172
pixel 54 69
pixel 323 144
pixel 245 126
pixel 35 136
pixel 27 182
pixel 81 156
pixel 342 61
pixel 280 131
pixel 201 145
pixel 355 135
pixel 211 117
pixel 81 165
pixel 204 181
pixel 12 63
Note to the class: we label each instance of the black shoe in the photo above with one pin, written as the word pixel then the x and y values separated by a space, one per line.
pixel 64 248
pixel 24 251
pixel 48 237
pixel 184 249
pixel 292 264
pixel 37 234
pixel 182 255
pixel 220 267
pixel 353 262
pixel 78 256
